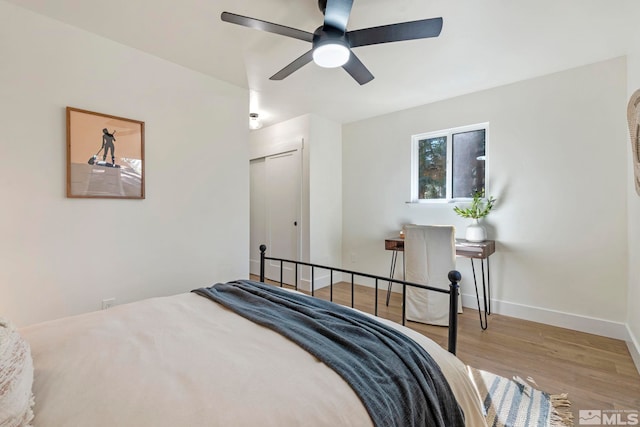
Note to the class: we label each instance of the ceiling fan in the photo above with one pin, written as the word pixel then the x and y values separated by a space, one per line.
pixel 332 43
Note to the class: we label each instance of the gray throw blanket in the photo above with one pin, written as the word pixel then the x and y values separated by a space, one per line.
pixel 395 378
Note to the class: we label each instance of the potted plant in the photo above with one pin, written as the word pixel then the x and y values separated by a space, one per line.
pixel 479 208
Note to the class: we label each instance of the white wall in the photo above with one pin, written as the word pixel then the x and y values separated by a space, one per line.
pixel 633 209
pixel 556 157
pixel 325 201
pixel 61 256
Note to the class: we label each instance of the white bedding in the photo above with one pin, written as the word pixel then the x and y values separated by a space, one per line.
pixel 187 361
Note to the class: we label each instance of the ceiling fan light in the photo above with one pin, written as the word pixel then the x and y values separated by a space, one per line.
pixel 331 55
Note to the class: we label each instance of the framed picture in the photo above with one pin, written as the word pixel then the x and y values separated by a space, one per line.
pixel 633 117
pixel 105 156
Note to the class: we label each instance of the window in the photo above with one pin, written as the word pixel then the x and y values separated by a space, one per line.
pixel 449 164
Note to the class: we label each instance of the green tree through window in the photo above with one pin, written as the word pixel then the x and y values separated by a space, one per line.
pixel 432 158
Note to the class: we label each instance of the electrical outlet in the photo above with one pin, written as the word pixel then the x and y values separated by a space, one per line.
pixel 108 303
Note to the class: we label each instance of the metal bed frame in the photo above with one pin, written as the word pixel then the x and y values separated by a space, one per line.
pixel 453 291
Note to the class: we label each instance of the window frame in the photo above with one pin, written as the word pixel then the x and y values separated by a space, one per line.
pixel 448 133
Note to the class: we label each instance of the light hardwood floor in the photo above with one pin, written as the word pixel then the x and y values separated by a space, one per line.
pixel 596 372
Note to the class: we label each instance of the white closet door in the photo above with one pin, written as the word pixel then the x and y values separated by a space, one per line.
pixel 258 215
pixel 275 202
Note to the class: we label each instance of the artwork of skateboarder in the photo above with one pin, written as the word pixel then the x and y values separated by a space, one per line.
pixel 106 174
pixel 107 144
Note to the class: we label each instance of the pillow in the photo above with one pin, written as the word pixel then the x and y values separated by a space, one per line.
pixel 16 378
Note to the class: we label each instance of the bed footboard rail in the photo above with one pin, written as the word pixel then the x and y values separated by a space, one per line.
pixel 453 291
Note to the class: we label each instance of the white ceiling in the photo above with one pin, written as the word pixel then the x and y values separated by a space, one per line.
pixel 483 44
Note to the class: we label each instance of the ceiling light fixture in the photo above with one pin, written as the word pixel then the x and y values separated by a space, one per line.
pixel 330 47
pixel 254 121
pixel 331 55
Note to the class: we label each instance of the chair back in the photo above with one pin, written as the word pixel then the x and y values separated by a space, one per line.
pixel 430 253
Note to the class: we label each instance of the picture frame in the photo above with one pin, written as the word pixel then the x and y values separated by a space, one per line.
pixel 633 119
pixel 105 156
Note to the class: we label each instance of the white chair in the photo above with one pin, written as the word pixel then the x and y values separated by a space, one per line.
pixel 430 254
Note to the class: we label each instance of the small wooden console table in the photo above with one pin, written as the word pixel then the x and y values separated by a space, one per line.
pixel 466 249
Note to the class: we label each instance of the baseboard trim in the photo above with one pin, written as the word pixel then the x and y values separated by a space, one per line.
pixel 320 282
pixel 634 348
pixel 576 322
pixel 304 283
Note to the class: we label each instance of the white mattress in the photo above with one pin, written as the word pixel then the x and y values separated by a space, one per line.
pixel 187 361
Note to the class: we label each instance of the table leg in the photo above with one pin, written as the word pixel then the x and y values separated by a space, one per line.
pixel 489 285
pixel 394 258
pixel 483 322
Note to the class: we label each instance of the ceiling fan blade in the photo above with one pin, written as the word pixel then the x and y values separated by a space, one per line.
pixel 336 13
pixel 412 30
pixel 294 66
pixel 357 70
pixel 269 27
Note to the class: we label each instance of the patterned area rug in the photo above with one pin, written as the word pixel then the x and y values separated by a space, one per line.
pixel 514 403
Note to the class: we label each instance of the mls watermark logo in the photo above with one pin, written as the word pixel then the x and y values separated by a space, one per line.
pixel 590 417
pixel 608 417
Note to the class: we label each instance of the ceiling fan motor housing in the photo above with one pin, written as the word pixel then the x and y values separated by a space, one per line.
pixel 326 34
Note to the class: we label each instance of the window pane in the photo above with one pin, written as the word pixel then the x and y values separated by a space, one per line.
pixel 468 163
pixel 432 168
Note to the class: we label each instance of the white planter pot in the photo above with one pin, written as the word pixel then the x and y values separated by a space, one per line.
pixel 476 232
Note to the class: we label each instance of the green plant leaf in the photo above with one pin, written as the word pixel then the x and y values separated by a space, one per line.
pixel 480 207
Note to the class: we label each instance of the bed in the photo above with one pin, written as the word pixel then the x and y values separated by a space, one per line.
pixel 186 360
